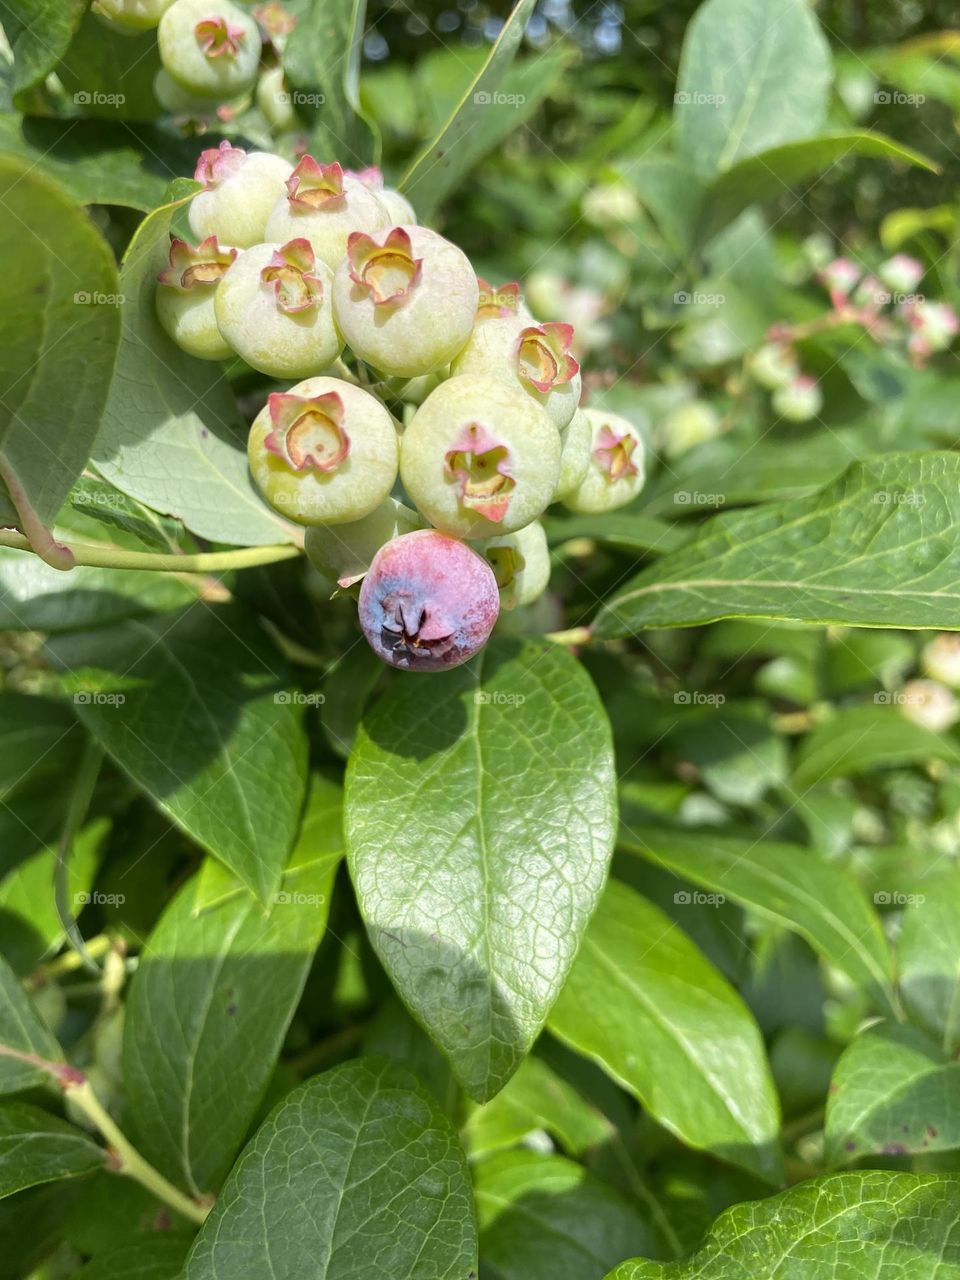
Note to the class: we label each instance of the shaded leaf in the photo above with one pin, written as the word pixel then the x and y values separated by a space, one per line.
pixel 22 1030
pixel 858 740
pixel 928 959
pixel 36 1147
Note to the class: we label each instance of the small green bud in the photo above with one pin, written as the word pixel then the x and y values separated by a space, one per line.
pixel 521 564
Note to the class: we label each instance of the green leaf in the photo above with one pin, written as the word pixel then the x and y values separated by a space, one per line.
pixel 110 73
pixel 22 1031
pixel 546 1218
pixel 59 328
pixel 36 735
pixel 633 530
pixel 321 61
pixel 872 1226
pixel 647 1005
pixel 753 74
pixel 355 1172
pixel 197 712
pixel 36 1147
pixel 928 959
pixel 96 162
pixel 673 194
pixel 536 1098
pixel 171 434
pixel 768 175
pixel 39 32
pixel 894 1092
pixel 159 1258
pixel 874 548
pixel 860 739
pixel 789 885
pixel 479 819
pixel 489 109
pixel 210 1005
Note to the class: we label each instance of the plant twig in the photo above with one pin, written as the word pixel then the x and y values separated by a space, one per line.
pixel 84 782
pixel 107 557
pixel 38 537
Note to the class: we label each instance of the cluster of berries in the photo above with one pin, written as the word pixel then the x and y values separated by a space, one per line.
pixel 294 265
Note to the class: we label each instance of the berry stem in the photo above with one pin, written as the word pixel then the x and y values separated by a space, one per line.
pixel 575 636
pixel 38 537
pixel 107 557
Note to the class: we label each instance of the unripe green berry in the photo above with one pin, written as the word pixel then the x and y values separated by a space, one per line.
pixel 533 357
pixel 185 297
pixel 688 425
pixel 405 302
pixel 480 458
pixel 132 15
pixel 575 438
pixel 798 401
pixel 179 101
pixel 521 564
pixel 210 47
pixel 323 453
pixel 240 189
pixel 773 365
pixel 399 209
pixel 273 99
pixel 273 308
pixel 344 551
pixel 324 205
pixel 615 472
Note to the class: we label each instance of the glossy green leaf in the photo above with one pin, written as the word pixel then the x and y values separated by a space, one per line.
pixel 321 63
pixel 171 434
pixel 96 162
pixel 196 709
pixel 160 1258
pixel 787 883
pixel 875 548
pixel 36 1147
pixel 22 1031
pixel 894 1092
pixel 59 328
pixel 768 175
pixel 928 958
pixel 670 1029
pixel 536 1098
pixel 872 1226
pixel 489 109
pixel 858 740
pixel 210 1005
pixel 39 32
pixel 357 1171
pixel 753 74
pixel 546 1218
pixel 673 194
pixel 479 811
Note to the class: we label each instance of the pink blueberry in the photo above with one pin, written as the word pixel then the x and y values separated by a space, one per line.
pixel 428 602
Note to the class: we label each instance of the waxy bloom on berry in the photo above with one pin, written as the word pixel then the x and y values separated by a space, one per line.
pixel 324 452
pixel 497 301
pixel 405 300
pixel 274 308
pixel 185 296
pixel 240 189
pixel 534 357
pixel 615 472
pixel 324 205
pixel 521 564
pixel 398 207
pixel 210 47
pixel 345 551
pixel 689 424
pixel 480 458
pixel 576 438
pixel 428 602
pixel 132 15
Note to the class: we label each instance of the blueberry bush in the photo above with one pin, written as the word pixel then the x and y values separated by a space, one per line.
pixel 479 640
